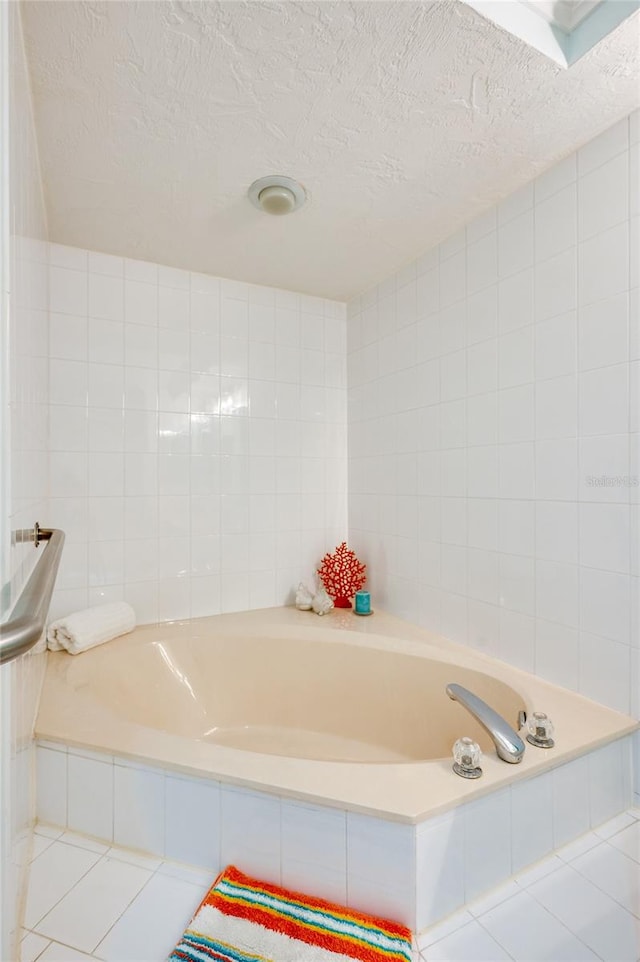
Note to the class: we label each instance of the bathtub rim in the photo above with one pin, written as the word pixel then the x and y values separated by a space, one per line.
pixel 403 792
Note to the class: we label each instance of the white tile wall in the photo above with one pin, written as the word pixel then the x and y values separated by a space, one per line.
pixel 197 436
pixel 539 430
pixel 416 874
pixel 23 448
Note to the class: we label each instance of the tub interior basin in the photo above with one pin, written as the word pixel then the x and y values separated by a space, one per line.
pixel 292 697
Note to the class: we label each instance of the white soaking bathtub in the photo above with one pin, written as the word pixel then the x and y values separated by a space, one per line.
pixel 317 753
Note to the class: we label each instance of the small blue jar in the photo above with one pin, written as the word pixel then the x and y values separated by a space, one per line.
pixel 363 603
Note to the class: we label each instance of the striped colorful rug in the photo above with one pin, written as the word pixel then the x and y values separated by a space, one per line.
pixel 244 920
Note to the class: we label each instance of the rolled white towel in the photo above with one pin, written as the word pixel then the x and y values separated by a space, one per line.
pixel 93 626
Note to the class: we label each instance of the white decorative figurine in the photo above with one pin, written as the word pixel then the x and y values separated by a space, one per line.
pixel 304 598
pixel 322 603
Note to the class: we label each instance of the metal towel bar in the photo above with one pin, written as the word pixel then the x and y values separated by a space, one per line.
pixel 29 616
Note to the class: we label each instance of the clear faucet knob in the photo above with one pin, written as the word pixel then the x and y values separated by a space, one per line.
pixel 466 758
pixel 540 730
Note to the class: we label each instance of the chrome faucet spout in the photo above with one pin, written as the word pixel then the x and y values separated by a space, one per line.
pixel 509 745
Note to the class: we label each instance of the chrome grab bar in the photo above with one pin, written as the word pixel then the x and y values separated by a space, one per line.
pixel 509 745
pixel 29 615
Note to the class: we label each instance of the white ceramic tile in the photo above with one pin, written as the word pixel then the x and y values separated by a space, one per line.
pixel 68 291
pixel 538 870
pixel 469 942
pixel 81 841
pixel 135 858
pixel 105 341
pixel 67 382
pixel 106 297
pixel 67 336
pixel 557 470
pixel 379 850
pixel 605 536
pixel 173 308
pixel 482 473
pixel 611 688
pixel 482 367
pixel 555 346
pixel 516 357
pixel 604 401
pixel 603 196
pixel 516 414
pixel 316 880
pixel 556 403
pixel 515 301
pixel 628 841
pixel 140 303
pixel 250 832
pixel 497 895
pixel 557 531
pixel 557 597
pixel 603 264
pixel 602 924
pixel 32 946
pixel 567 853
pixel 516 527
pixel 192 825
pixel 62 953
pixel 604 330
pixel 605 604
pixel 603 461
pixel 47 831
pixel 314 835
pixel 138 809
pixel 614 873
pixel 186 873
pixel 517 584
pixel 608 792
pixel 570 801
pixel 52 875
pixel 106 385
pixel 482 262
pixel 531 821
pixel 90 802
pixel 556 285
pixel 440 869
pixel 395 902
pixel 153 922
pixel 556 223
pixel 85 915
pixel 40 843
pixel 528 932
pixel 51 783
pixel 487 852
pixel 435 933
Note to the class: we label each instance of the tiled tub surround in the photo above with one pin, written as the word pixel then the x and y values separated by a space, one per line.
pixel 197 436
pixel 410 840
pixel 493 388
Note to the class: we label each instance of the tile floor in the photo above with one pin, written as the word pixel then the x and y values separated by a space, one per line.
pixel 87 901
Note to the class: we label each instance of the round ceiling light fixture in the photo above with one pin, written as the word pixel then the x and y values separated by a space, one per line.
pixel 277 194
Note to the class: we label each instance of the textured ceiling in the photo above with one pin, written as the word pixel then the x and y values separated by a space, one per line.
pixel 401 119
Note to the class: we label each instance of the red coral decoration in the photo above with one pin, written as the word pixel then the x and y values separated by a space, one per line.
pixel 342 575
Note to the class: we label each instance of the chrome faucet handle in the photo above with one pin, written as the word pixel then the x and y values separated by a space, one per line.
pixel 509 745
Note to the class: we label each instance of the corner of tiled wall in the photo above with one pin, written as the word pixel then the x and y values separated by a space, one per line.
pixel 493 428
pixel 197 437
